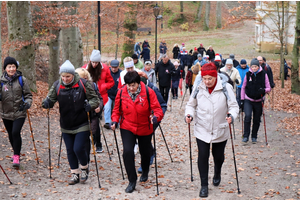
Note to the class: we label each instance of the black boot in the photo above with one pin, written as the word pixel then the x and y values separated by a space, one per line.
pixel 130 187
pixel 144 177
pixel 203 191
pixel 217 179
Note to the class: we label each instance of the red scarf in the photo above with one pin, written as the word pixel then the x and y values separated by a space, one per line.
pixel 213 87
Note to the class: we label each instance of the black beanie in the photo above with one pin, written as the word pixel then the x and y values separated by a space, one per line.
pixel 10 60
pixel 134 56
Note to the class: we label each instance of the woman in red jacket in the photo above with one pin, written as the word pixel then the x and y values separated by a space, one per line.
pixel 132 105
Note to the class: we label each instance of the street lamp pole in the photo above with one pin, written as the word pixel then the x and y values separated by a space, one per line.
pixel 156 11
pixel 99 27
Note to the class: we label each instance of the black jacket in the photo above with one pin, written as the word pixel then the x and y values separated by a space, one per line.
pixel 253 86
pixel 112 92
pixel 267 69
pixel 178 73
pixel 201 50
pixel 175 51
pixel 211 54
pixel 164 72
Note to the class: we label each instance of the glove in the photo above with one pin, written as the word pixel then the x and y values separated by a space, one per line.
pixel 242 105
pixel 87 106
pixel 46 103
pixel 114 123
pixel 237 82
pixel 154 119
pixel 24 106
pixel 186 86
pixel 261 91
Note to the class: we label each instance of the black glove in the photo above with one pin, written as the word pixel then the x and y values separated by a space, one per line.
pixel 114 123
pixel 237 82
pixel 24 106
pixel 261 91
pixel 46 103
pixel 87 106
pixel 186 86
pixel 242 105
pixel 154 119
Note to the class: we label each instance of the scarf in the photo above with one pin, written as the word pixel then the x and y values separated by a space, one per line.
pixel 134 95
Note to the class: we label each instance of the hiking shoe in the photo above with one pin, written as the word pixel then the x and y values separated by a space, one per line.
pixel 107 125
pixel 140 170
pixel 74 179
pixel 245 140
pixel 16 161
pixel 84 175
pixel 99 149
pixel 254 140
pixel 130 187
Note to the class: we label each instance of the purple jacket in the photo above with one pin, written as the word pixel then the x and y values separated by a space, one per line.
pixel 267 84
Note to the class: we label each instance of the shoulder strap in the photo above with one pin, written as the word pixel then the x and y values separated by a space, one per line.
pixel 80 81
pixel 21 84
pixel 148 98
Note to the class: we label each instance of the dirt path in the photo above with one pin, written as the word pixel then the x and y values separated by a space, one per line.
pixel 263 172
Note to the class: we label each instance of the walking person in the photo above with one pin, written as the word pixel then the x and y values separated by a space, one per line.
pixel 191 76
pixel 150 72
pixel 211 53
pixel 95 114
pixel 201 50
pixel 71 92
pixel 165 70
pixel 213 128
pixel 162 49
pixel 175 51
pixel 243 68
pixel 100 74
pixel 136 122
pixel 256 85
pixel 112 92
pixel 15 100
pixel 232 72
pixel 137 49
pixel 177 74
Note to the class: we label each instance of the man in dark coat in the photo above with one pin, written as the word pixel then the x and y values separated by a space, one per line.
pixel 267 69
pixel 201 49
pixel 164 69
pixel 232 57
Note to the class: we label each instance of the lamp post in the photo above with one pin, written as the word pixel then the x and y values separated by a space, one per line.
pixel 156 11
pixel 99 26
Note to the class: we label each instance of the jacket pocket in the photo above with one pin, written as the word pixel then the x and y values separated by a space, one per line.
pixel 222 129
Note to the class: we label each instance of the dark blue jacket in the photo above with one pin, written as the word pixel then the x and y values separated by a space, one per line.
pixel 146 53
pixel 178 73
pixel 112 92
pixel 160 99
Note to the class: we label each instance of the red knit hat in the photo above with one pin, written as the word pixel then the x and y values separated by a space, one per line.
pixel 195 49
pixel 209 69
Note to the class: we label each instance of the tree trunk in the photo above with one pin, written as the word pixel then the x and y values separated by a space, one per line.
pixel 181 10
pixel 130 25
pixel 72 47
pixel 0 44
pixel 219 14
pixel 206 19
pixel 20 31
pixel 53 57
pixel 287 26
pixel 117 30
pixel 281 44
pixel 295 88
pixel 199 11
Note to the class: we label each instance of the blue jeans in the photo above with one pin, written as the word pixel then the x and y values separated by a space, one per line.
pixel 107 111
pixel 77 149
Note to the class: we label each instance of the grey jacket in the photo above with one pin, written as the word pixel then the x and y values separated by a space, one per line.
pixel 151 75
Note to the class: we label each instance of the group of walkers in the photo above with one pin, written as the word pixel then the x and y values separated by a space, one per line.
pixel 135 100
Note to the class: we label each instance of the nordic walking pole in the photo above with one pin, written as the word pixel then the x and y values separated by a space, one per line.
pixel 105 140
pixel 155 157
pixel 233 130
pixel 49 141
pixel 242 124
pixel 37 159
pixel 162 133
pixel 183 98
pixel 119 154
pixel 263 112
pixel 6 175
pixel 93 146
pixel 59 151
pixel 237 179
pixel 190 146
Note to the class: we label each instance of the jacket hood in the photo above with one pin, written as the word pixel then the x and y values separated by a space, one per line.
pixel 259 70
pixel 76 79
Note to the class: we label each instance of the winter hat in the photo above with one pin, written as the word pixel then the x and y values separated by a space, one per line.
pixel 229 61
pixel 195 49
pixel 231 56
pixel 129 64
pixel 209 69
pixel 182 43
pixel 95 56
pixel 243 61
pixel 254 61
pixel 218 58
pixel 67 67
pixel 114 63
pixel 176 63
pixel 10 60
pixel 199 55
pixel 134 56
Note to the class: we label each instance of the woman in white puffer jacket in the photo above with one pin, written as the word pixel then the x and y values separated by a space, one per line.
pixel 209 110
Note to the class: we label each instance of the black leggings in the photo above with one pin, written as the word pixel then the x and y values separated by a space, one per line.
pixel 129 140
pixel 14 133
pixel 203 157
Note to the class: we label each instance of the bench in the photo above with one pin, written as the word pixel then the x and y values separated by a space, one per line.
pixel 147 29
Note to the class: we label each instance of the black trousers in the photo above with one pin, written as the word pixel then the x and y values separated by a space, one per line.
pixel 256 108
pixel 14 133
pixel 164 92
pixel 203 157
pixel 96 131
pixel 129 140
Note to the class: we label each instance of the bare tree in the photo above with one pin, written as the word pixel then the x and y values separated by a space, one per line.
pixel 21 37
pixel 181 10
pixel 199 11
pixel 295 88
pixel 219 14
pixel 206 19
